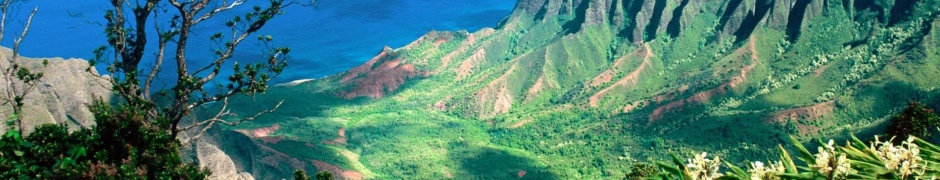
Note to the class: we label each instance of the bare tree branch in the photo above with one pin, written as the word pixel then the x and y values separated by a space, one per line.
pixel 218 118
pixel 225 6
pixel 16 42
pixel 125 40
pixel 165 36
pixel 20 81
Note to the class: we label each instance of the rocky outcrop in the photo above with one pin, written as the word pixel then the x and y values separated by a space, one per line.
pixel 63 94
pixel 221 165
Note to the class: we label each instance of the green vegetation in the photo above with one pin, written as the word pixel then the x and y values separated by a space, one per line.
pixel 123 145
pixel 916 120
pixel 19 79
pixel 562 94
pixel 141 138
pixel 301 175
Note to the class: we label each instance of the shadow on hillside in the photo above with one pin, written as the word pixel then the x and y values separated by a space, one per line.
pixel 864 113
pixel 492 163
pixel 311 99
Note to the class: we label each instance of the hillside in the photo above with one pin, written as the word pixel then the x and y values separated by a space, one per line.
pixel 567 89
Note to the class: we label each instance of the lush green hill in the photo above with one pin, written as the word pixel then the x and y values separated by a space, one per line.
pixel 584 88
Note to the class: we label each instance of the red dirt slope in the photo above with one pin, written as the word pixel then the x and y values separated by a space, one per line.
pixel 382 74
pixel 707 95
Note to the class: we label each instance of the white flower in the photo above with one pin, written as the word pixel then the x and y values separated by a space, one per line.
pixel 828 160
pixel 903 159
pixel 760 172
pixel 704 168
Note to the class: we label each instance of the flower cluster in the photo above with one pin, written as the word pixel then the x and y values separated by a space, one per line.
pixel 704 168
pixel 830 163
pixel 903 159
pixel 759 171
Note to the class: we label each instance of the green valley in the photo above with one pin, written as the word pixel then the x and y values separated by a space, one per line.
pixel 584 89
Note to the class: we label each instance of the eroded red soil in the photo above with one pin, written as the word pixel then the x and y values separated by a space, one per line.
pixel 497 92
pixel 337 172
pixel 375 80
pixel 341 140
pixel 260 132
pixel 808 113
pixel 629 80
pixel 707 95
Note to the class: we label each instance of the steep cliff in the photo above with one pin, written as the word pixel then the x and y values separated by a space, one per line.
pixel 63 93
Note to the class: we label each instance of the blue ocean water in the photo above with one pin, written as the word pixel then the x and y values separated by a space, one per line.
pixel 330 38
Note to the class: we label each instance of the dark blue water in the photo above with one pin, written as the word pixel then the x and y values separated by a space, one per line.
pixel 331 38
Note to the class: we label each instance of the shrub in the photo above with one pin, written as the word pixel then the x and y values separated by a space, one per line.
pixel 642 170
pixel 120 146
pixel 916 120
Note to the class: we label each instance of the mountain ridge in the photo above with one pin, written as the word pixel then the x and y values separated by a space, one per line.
pixel 584 88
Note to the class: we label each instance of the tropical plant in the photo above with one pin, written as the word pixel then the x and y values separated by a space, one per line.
pixel 914 158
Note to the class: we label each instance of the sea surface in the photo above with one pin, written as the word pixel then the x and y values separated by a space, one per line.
pixel 329 38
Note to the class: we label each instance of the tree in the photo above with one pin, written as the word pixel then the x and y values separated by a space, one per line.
pixel 301 175
pixel 18 79
pixel 139 138
pixel 127 35
pixel 916 120
pixel 324 175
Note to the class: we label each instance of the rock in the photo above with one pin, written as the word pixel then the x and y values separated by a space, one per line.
pixel 63 94
pixel 689 12
pixel 779 14
pixel 221 165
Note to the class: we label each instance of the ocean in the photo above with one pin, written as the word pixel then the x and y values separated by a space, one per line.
pixel 327 39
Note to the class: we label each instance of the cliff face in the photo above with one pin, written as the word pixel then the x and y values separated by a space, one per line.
pixel 542 37
pixel 63 93
pixel 642 20
pixel 220 163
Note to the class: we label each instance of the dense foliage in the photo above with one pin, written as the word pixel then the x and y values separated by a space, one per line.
pixel 121 146
pixel 301 175
pixel 916 120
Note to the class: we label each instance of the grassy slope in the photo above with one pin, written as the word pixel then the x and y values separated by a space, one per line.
pixel 557 134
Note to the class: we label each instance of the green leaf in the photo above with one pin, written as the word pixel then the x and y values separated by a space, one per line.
pixel 805 155
pixel 738 173
pixel 874 168
pixel 787 160
pixel 730 178
pixel 669 168
pixel 924 145
pixel 860 176
pixel 800 176
pixel 677 161
pixel 18 153
pixel 859 155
